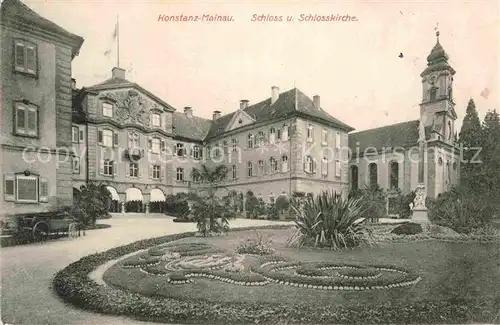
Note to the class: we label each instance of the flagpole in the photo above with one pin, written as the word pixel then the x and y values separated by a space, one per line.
pixel 118 41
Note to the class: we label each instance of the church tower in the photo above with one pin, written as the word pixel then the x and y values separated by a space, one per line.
pixel 437 107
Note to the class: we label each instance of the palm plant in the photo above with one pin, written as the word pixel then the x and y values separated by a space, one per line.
pixel 94 200
pixel 329 220
pixel 210 212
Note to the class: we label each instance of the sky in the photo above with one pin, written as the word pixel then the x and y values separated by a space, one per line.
pixel 354 66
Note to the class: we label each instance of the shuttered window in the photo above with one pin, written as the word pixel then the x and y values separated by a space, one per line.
pixel 25 57
pixel 27 188
pixel 26 119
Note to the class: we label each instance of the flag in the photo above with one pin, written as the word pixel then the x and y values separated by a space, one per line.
pixel 115 32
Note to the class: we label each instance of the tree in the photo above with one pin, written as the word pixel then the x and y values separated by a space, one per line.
pixel 210 213
pixel 489 177
pixel 94 200
pixel 470 140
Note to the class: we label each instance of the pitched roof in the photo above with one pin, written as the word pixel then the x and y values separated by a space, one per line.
pixel 115 83
pixel 17 12
pixel 195 128
pixel 396 135
pixel 290 103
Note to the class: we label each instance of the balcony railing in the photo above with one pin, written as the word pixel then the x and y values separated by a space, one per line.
pixel 134 153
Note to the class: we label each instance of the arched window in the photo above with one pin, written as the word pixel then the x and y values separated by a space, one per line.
pixel 272 135
pixel 324 166
pixel 179 149
pixel 284 164
pixel 373 174
pixel 250 141
pixel 273 165
pixel 354 177
pixel 433 93
pixel 450 93
pixel 284 135
pixel 249 169
pixel 225 147
pixel 133 140
pixel 260 139
pixel 450 131
pixel 393 175
pixel 234 172
pixel 260 167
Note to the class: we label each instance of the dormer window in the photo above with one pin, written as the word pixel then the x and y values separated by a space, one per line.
pixel 107 109
pixel 155 120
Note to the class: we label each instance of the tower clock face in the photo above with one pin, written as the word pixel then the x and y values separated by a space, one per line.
pixel 432 79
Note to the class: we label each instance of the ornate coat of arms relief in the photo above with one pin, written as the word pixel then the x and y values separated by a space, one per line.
pixel 131 107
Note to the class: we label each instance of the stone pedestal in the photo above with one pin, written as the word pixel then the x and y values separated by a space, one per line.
pixel 420 215
pixel 122 207
pixel 147 207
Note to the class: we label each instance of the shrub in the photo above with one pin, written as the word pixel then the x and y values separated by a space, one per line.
pixel 373 201
pixel 460 210
pixel 282 203
pixel 272 211
pixel 93 200
pixel 251 205
pixel 408 229
pixel 176 205
pixel 328 220
pixel 258 245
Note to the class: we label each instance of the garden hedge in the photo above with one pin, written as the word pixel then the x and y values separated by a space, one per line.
pixel 75 287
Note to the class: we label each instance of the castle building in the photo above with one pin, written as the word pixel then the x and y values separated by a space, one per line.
pixel 389 156
pixel 143 149
pixel 36 109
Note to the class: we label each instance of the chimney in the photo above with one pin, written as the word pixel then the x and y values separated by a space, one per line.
pixel 118 73
pixel 216 115
pixel 188 111
pixel 243 103
pixel 316 102
pixel 275 93
pixel 73 84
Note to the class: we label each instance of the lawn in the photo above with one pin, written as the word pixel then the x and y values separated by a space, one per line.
pixel 465 275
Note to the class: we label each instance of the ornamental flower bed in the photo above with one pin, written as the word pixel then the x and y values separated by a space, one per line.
pixel 75 287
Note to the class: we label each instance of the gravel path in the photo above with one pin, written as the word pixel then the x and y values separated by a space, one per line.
pixel 27 271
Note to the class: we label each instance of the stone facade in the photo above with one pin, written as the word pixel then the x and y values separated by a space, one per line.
pixel 36 111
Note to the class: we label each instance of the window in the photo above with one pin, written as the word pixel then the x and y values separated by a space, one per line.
pixel 234 172
pixel 107 109
pixel 249 169
pixel 394 175
pixel 284 136
pixel 309 165
pixel 433 93
pixel 338 169
pixel 81 135
pixel 278 135
pixel 75 134
pixel 450 93
pixel 260 167
pixel 373 174
pixel 134 170
pixel 155 120
pixel 284 164
pixel 108 167
pixel 273 165
pixel 25 57
pixel 76 165
pixel 196 152
pixel 217 150
pixel 133 140
pixel 272 135
pixel 324 166
pixel 234 143
pixel 324 137
pixel 180 174
pixel 155 145
pixel 450 131
pixel 156 171
pixel 225 147
pixel 250 141
pixel 26 119
pixel 106 138
pixel 180 150
pixel 27 189
pixel 337 140
pixel 310 131
pixel 260 139
pixel 354 177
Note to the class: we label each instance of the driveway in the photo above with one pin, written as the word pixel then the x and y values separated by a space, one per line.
pixel 27 271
